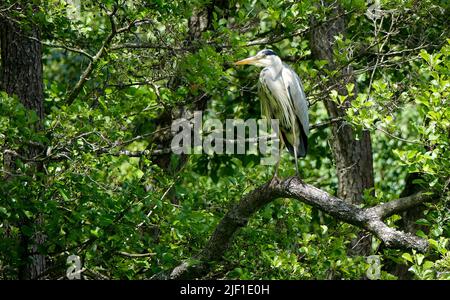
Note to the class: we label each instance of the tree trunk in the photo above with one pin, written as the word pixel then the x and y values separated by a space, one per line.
pixel 198 23
pixel 21 75
pixel 21 69
pixel 353 157
pixel 408 224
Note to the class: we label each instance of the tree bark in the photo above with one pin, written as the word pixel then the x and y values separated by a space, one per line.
pixel 21 69
pixel 21 75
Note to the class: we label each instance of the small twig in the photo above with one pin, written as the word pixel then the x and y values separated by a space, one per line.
pixel 144 46
pixel 136 255
pixel 95 275
pixel 8 8
pixel 164 194
pixel 76 50
pixel 362 238
pixel 325 123
pixel 278 38
pixel 398 138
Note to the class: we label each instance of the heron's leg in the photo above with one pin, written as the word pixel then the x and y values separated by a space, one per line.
pixel 275 174
pixel 295 150
pixel 296 161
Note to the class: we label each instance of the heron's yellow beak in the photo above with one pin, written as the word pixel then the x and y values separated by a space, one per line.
pixel 247 61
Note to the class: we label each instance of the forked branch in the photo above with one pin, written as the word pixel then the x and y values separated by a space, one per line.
pixel 370 219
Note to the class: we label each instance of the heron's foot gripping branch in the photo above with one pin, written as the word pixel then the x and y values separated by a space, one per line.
pixel 370 219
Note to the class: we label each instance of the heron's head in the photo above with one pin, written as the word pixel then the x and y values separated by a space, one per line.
pixel 263 58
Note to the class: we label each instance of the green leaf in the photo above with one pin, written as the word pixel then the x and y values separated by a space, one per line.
pixel 408 257
pixel 419 258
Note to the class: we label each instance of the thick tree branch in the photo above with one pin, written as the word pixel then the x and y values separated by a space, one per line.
pixel 371 219
pixel 392 207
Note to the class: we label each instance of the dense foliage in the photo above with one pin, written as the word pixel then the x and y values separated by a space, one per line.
pixel 108 191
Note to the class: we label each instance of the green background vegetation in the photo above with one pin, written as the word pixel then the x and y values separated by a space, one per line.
pixel 102 205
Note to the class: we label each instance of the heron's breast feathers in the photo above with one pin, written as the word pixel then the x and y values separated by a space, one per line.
pixel 275 102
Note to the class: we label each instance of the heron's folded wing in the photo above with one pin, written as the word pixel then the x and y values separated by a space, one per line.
pixel 294 88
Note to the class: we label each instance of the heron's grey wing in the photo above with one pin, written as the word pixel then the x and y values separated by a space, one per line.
pixel 295 90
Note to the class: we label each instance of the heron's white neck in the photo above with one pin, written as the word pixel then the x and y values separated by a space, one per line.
pixel 273 64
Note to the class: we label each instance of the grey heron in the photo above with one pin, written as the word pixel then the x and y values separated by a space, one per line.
pixel 282 97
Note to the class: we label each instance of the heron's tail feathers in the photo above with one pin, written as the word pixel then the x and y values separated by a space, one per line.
pixel 302 148
pixel 303 145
